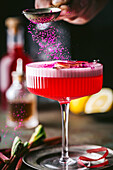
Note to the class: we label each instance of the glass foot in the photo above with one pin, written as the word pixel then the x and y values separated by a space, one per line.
pixel 49 159
pixel 54 163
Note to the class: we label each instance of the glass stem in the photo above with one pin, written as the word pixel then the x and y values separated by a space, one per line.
pixel 65 115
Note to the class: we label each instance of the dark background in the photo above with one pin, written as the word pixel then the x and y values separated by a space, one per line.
pixel 88 42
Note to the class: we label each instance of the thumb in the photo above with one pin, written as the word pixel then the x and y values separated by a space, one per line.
pixel 59 2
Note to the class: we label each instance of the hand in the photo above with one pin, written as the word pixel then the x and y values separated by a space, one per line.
pixel 74 11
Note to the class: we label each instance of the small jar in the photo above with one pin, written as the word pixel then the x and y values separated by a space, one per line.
pixel 22 105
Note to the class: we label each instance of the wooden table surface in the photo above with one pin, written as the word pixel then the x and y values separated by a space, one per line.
pixel 83 129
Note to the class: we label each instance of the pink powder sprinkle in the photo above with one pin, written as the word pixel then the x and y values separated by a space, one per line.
pixel 6 131
pixel 15 127
pixel 48 41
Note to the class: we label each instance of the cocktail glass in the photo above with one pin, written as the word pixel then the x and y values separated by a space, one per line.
pixel 64 81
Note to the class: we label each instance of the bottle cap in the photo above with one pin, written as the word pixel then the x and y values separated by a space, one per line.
pixel 13 23
pixel 19 67
pixel 18 74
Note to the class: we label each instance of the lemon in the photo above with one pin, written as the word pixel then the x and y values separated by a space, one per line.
pixel 100 102
pixel 77 105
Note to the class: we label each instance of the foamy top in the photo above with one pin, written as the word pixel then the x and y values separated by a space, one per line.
pixel 64 69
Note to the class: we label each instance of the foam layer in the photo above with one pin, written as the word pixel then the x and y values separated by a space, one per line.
pixel 48 69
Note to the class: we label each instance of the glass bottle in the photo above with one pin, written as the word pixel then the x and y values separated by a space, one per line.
pixel 15 50
pixel 22 105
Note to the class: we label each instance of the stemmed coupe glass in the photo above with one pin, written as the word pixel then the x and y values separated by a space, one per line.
pixel 64 81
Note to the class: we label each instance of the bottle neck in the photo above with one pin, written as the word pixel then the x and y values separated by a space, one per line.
pixel 15 40
pixel 18 79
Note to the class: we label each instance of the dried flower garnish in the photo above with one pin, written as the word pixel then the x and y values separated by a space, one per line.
pixel 61 65
pixel 71 64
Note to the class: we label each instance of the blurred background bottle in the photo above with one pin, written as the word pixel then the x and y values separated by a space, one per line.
pixel 22 105
pixel 15 50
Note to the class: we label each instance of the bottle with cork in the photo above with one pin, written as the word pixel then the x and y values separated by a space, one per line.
pixel 15 50
pixel 22 105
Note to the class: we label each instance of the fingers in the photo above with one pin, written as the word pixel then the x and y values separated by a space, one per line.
pixel 67 13
pixel 73 13
pixel 59 2
pixel 48 3
pixel 42 3
pixel 77 20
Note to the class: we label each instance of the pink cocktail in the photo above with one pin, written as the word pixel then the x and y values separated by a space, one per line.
pixel 49 80
pixel 64 81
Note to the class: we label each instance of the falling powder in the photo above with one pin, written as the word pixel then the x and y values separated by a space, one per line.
pixel 49 42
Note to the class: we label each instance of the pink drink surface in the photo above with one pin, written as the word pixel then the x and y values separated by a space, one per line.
pixel 64 84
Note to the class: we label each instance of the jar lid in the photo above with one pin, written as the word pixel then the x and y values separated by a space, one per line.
pixel 13 23
pixel 18 74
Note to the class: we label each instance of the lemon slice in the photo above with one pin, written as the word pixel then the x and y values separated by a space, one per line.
pixel 100 102
pixel 77 105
